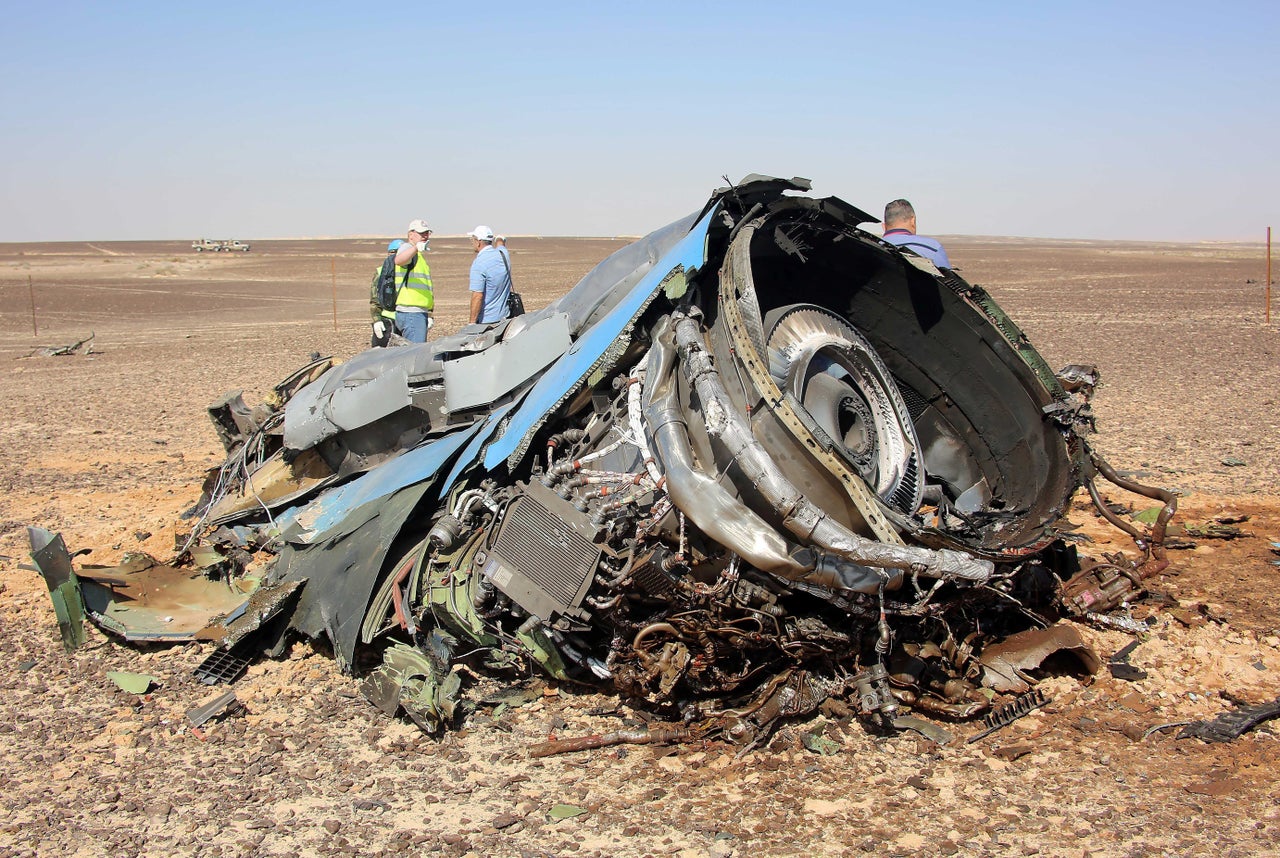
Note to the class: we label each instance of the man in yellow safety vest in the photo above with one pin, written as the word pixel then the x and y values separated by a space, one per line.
pixel 415 300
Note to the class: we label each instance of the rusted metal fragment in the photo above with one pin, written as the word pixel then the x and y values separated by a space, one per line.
pixel 1007 714
pixel 1007 665
pixel 1015 751
pixel 651 735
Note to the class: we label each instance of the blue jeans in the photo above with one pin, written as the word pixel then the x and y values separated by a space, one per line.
pixel 413 326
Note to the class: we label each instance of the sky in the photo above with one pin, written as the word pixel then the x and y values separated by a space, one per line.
pixel 148 120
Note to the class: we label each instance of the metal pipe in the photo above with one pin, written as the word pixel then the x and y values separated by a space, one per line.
pixel 1153 543
pixel 713 509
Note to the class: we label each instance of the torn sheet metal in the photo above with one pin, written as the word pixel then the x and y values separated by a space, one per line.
pixel 1008 665
pixel 273 486
pixel 420 683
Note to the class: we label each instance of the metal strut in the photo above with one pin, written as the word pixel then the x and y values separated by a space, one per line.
pixel 1152 544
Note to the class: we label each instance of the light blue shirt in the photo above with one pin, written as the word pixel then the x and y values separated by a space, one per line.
pixel 929 248
pixel 489 276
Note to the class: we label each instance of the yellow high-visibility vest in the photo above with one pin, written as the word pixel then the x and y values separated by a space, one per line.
pixel 416 291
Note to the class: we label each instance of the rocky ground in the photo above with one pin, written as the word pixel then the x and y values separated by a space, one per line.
pixel 109 447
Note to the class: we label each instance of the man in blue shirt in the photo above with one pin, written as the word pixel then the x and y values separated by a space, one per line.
pixel 490 279
pixel 900 229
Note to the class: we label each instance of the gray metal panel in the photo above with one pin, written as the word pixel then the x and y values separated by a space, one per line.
pixel 305 423
pixel 482 379
pixel 353 407
pixel 309 417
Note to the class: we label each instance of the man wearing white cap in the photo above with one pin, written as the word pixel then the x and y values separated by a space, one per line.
pixel 490 278
pixel 415 300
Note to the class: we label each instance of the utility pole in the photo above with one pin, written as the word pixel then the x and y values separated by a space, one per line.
pixel 36 333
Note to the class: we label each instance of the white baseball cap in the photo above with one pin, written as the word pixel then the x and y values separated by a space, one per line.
pixel 481 233
pixel 419 226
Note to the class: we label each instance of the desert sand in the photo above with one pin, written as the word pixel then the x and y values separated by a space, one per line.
pixel 109 447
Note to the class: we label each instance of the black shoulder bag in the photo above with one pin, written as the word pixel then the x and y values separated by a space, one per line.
pixel 515 304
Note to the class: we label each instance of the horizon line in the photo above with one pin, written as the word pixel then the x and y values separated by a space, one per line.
pixel 636 237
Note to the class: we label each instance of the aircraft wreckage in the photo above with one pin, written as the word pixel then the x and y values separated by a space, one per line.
pixel 753 461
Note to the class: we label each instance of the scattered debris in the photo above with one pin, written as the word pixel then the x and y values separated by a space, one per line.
pixel 1119 665
pixel 564 811
pixel 651 735
pixel 1007 714
pixel 1214 530
pixel 819 743
pixel 931 730
pixel 1118 622
pixel 1014 751
pixel 1233 724
pixel 79 347
pixel 215 707
pixel 134 683
pixel 1161 727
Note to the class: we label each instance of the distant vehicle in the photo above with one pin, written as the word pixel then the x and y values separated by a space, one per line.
pixel 205 244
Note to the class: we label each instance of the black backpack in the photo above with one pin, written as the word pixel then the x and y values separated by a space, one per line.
pixel 385 289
